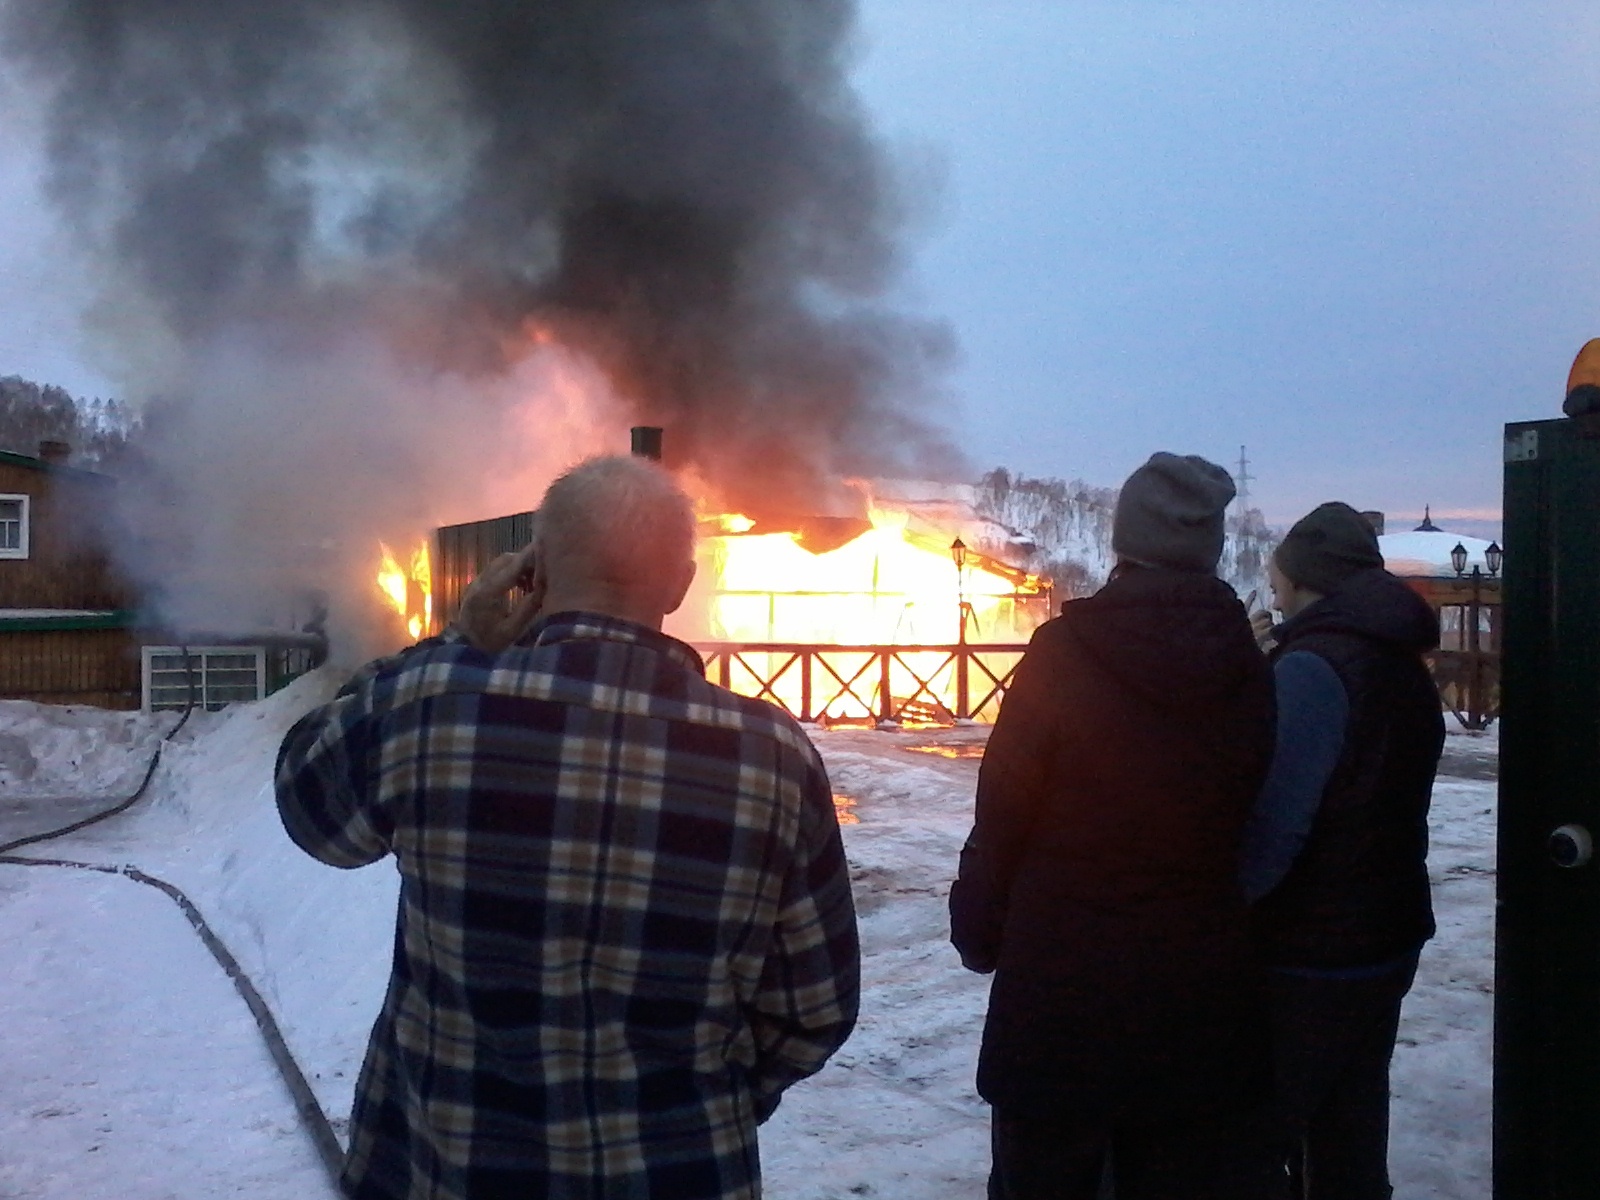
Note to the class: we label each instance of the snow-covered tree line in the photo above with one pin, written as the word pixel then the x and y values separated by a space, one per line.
pixel 1069 525
pixel 97 430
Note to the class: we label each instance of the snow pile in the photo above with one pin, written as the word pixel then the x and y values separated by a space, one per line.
pixel 132 1070
pixel 895 1113
pixel 315 940
pixel 73 750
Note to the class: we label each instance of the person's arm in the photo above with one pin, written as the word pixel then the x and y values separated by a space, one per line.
pixel 806 1003
pixel 327 777
pixel 1313 712
pixel 328 772
pixel 1012 780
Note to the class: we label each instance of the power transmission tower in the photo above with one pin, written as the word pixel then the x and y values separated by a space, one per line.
pixel 1241 480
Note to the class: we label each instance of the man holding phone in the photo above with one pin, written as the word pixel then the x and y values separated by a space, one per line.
pixel 1334 859
pixel 625 921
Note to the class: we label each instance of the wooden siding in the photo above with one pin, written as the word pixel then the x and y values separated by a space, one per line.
pixel 71 666
pixel 69 522
pixel 461 551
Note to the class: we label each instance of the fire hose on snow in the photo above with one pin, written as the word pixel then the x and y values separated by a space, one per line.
pixel 315 1121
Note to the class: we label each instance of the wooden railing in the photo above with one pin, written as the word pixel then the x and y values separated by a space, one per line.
pixel 888 684
pixel 1469 684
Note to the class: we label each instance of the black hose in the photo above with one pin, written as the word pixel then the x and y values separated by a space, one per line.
pixel 144 784
pixel 305 1100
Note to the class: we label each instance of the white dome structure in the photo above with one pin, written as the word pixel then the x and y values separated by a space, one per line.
pixel 1426 553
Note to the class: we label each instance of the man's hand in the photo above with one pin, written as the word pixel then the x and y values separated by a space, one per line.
pixel 1261 626
pixel 486 620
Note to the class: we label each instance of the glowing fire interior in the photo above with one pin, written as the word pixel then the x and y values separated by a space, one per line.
pixel 409 588
pixel 887 586
pixel 882 583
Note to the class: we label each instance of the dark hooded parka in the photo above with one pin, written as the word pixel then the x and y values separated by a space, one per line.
pixel 1357 890
pixel 1100 880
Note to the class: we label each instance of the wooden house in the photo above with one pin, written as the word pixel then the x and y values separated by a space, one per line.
pixel 66 619
pixel 70 627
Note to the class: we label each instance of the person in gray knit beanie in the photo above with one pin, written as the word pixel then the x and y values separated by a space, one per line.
pixel 1327 546
pixel 1170 512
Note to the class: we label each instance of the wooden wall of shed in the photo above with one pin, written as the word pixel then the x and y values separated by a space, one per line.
pixel 69 521
pixel 461 551
pixel 71 666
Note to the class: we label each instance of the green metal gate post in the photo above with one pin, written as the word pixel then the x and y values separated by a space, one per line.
pixel 1547 928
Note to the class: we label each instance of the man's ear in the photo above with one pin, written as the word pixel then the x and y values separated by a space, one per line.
pixel 681 587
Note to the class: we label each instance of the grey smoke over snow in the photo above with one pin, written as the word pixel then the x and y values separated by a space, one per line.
pixel 378 264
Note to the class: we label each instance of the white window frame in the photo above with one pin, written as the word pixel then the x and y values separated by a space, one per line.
pixel 203 698
pixel 21 550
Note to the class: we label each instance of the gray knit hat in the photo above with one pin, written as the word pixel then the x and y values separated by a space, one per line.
pixel 1327 546
pixel 1170 513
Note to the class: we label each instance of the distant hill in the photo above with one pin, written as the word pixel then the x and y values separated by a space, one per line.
pixel 1067 524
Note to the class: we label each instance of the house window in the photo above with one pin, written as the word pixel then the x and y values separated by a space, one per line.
pixel 214 675
pixel 13 526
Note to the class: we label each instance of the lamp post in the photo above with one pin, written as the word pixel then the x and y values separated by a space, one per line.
pixel 958 554
pixel 1493 557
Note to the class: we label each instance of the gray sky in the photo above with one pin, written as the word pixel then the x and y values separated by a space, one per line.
pixel 1356 241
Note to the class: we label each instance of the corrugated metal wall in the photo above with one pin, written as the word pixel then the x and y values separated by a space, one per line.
pixel 71 666
pixel 463 550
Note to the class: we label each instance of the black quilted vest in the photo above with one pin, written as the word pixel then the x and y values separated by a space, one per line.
pixel 1358 893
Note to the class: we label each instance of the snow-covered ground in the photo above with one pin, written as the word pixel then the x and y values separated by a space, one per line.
pixel 133 1071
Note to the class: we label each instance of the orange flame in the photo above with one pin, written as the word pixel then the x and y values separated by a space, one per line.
pixel 888 585
pixel 409 590
pixel 890 580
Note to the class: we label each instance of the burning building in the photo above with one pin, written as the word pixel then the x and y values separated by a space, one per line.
pixel 886 617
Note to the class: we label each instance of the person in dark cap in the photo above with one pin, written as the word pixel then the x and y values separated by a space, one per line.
pixel 1100 880
pixel 1334 857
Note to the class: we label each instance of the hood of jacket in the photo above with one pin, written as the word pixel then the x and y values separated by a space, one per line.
pixel 1374 604
pixel 1177 638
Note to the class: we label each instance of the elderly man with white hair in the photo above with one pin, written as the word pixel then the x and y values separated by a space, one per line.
pixel 625 923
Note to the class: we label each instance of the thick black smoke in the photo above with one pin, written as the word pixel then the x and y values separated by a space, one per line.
pixel 684 190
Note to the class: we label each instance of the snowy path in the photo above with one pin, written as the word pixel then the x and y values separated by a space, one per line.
pixel 131 1067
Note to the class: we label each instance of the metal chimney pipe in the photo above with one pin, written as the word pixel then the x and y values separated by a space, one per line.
pixel 647 442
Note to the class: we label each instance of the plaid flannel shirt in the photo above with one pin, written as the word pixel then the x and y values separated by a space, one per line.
pixel 625 921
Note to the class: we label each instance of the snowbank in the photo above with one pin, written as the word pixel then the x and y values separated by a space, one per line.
pixel 73 750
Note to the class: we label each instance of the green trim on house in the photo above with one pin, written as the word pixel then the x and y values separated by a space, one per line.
pixel 12 458
pixel 122 618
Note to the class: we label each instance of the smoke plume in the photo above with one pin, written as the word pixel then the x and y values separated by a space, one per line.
pixel 349 247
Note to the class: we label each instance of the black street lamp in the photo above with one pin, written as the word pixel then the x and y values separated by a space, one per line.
pixel 958 553
pixel 1493 556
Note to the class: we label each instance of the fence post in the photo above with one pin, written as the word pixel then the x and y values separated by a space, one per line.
pixel 885 700
pixel 963 698
pixel 805 685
